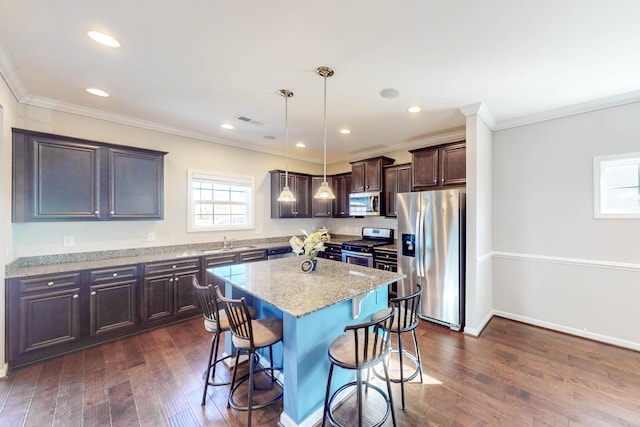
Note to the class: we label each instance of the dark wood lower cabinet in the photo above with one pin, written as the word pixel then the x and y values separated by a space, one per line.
pixel 52 314
pixel 112 300
pixel 167 289
pixel 47 320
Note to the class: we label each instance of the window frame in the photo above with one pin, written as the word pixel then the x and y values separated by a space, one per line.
pixel 247 180
pixel 599 165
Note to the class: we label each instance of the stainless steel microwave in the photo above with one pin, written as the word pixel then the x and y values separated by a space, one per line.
pixel 364 204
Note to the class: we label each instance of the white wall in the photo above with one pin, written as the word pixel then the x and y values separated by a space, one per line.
pixel 478 286
pixel 555 265
pixel 8 107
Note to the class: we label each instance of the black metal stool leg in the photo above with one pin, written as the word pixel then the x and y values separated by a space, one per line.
pixel 386 374
pixel 415 342
pixel 206 377
pixel 326 397
pixel 401 369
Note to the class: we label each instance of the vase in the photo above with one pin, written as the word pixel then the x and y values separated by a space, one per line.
pixel 308 265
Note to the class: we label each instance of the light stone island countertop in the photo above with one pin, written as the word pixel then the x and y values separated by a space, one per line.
pixel 280 282
pixel 61 263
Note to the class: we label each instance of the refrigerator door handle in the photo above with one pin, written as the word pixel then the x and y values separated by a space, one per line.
pixel 420 240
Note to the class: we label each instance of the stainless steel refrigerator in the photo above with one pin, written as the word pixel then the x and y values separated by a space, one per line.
pixel 431 252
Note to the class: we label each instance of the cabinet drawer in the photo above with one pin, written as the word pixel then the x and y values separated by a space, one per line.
pixel 42 283
pixel 219 260
pixel 253 256
pixel 170 267
pixel 118 273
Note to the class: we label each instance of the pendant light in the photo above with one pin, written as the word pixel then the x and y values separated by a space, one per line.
pixel 324 192
pixel 286 195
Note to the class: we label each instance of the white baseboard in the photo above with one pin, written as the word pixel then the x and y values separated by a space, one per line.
pixel 567 330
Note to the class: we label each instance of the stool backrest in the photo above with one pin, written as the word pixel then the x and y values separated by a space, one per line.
pixel 371 340
pixel 238 316
pixel 208 301
pixel 408 308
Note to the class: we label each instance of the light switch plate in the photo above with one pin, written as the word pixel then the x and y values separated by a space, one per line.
pixel 69 241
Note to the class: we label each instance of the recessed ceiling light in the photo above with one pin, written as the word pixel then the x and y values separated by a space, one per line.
pixel 300 144
pixel 345 131
pixel 97 92
pixel 226 126
pixel 389 93
pixel 414 109
pixel 103 39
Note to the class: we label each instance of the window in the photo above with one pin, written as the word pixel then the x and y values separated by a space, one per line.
pixel 617 186
pixel 219 201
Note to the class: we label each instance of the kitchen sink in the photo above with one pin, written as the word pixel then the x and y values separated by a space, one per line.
pixel 223 250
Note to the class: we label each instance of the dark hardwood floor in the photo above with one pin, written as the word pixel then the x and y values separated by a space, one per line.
pixel 513 375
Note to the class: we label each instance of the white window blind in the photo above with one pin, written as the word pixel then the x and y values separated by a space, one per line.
pixel 617 186
pixel 220 201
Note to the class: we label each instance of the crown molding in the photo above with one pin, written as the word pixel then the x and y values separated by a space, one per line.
pixel 481 111
pixel 571 110
pixel 10 74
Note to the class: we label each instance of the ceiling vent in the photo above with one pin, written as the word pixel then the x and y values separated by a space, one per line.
pixel 249 120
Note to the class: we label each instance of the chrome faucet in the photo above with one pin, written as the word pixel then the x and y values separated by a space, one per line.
pixel 227 244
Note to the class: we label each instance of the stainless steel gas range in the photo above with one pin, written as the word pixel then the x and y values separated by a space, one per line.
pixel 360 251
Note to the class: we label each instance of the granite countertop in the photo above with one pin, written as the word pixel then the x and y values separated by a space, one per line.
pixel 304 293
pixel 51 264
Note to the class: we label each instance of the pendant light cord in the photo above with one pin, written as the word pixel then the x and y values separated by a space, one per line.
pixel 286 140
pixel 325 128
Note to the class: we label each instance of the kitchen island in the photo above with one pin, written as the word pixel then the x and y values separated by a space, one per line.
pixel 315 308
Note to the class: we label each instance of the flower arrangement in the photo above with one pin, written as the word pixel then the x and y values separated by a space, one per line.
pixel 312 243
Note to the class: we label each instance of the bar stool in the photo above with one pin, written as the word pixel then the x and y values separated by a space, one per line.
pixel 249 337
pixel 215 321
pixel 406 320
pixel 361 347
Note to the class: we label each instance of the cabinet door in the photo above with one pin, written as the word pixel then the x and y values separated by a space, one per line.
pixel 453 161
pixel 404 179
pixel 157 296
pixel 341 191
pixel 390 191
pixel 425 169
pixel 136 185
pixel 46 320
pixel 184 295
pixel 321 208
pixel 358 177
pixel 112 306
pixel 303 198
pixel 61 183
pixel 373 175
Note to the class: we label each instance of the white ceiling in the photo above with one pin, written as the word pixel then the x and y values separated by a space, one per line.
pixel 187 67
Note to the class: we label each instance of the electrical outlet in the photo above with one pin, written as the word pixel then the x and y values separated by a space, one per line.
pixel 69 241
pixel 151 236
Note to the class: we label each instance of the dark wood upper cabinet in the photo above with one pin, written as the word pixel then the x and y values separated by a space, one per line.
pixel 57 178
pixel 439 166
pixel 321 208
pixel 366 175
pixel 397 179
pixel 300 186
pixel 341 189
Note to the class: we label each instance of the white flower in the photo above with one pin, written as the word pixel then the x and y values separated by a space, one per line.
pixel 311 245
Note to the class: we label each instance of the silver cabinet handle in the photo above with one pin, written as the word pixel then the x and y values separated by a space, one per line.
pixel 114 275
pixel 50 284
pixel 75 296
pixel 173 266
pixel 96 212
pixel 93 293
pixel 171 280
pixel 112 212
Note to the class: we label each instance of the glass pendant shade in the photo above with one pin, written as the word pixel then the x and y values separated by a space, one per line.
pixel 325 192
pixel 286 195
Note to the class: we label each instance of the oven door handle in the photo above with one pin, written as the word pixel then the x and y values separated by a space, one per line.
pixel 361 254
